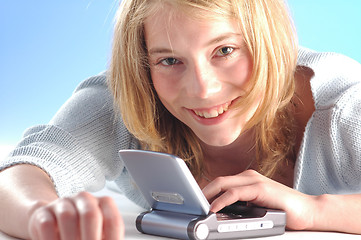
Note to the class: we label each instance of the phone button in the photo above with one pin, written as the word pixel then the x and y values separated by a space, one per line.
pixel 202 231
pixel 235 227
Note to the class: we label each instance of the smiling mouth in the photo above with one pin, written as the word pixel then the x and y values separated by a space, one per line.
pixel 213 112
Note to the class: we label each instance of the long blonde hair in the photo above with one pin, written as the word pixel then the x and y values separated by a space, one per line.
pixel 271 40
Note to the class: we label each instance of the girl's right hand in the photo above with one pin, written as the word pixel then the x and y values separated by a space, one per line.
pixel 80 217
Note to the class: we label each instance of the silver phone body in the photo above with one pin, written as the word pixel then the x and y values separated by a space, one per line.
pixel 179 208
pixel 165 181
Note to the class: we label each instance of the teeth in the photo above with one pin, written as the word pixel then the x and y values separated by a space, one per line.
pixel 198 113
pixel 212 113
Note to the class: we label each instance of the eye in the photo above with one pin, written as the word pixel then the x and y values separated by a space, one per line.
pixel 224 51
pixel 169 61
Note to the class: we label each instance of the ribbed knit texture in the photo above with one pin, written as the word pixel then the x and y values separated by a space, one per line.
pixel 79 147
pixel 329 159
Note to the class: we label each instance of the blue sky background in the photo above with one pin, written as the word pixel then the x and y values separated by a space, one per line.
pixel 48 47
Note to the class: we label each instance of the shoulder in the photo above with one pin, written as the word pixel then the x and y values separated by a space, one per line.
pixel 323 61
pixel 99 80
pixel 330 152
pixel 334 75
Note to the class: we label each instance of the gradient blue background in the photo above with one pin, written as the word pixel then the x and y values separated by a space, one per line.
pixel 48 47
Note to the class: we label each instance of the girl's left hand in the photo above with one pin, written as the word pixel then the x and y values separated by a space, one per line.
pixel 257 189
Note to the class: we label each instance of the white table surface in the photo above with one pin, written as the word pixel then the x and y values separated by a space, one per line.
pixel 130 211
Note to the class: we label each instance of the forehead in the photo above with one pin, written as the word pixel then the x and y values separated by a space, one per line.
pixel 169 24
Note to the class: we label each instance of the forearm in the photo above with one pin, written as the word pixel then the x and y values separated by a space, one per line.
pixel 23 189
pixel 341 213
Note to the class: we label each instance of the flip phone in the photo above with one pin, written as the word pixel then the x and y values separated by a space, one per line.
pixel 180 210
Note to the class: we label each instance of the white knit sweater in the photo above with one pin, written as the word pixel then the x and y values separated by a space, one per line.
pixel 79 147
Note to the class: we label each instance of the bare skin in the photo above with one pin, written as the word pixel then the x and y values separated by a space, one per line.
pixel 31 201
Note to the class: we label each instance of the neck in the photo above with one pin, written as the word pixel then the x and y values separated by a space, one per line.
pixel 230 159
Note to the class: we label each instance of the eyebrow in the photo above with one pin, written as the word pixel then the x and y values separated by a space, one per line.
pixel 222 37
pixel 153 51
pixel 160 50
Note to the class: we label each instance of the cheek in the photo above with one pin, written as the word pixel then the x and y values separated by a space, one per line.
pixel 165 87
pixel 240 73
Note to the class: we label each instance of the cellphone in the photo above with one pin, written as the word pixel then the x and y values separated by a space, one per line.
pixel 165 181
pixel 180 210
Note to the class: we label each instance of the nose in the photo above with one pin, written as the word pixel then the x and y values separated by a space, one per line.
pixel 203 81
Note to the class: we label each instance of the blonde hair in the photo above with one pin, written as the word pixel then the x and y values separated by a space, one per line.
pixel 271 40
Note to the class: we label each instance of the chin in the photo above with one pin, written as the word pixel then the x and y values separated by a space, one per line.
pixel 217 141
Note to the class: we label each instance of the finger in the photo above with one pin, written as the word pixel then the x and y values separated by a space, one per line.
pixel 262 193
pixel 222 184
pixel 42 225
pixel 67 219
pixel 244 193
pixel 113 226
pixel 218 185
pixel 34 235
pixel 90 217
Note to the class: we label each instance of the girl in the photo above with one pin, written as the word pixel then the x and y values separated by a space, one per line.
pixel 222 84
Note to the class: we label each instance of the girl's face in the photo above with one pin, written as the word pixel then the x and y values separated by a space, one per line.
pixel 200 69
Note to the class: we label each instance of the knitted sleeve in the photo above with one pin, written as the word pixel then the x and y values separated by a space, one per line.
pixel 78 148
pixel 346 129
pixel 329 160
